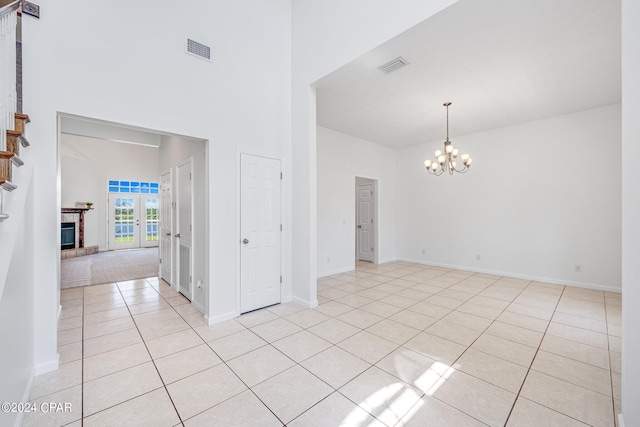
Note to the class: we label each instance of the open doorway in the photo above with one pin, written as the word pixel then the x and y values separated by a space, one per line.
pixel 366 219
pixel 115 172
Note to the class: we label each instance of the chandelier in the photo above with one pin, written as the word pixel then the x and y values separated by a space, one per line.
pixel 446 160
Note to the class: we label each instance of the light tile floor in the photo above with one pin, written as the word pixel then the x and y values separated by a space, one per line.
pixel 397 344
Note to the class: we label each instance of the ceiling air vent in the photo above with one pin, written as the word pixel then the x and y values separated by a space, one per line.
pixel 393 65
pixel 198 49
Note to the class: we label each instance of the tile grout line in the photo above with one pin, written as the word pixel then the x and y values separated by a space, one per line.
pixel 492 322
pixel 469 346
pixel 531 365
pixel 222 362
pixel 534 357
pixel 365 329
pixel 496 319
pixel 250 389
pixel 82 365
pixel 143 341
pixel 147 347
pixel 613 394
pixel 351 308
pixel 402 346
pixel 301 366
pixel 296 363
pixel 424 393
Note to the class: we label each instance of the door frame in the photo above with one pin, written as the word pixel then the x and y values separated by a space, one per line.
pixel 361 179
pixel 285 295
pixel 176 242
pixel 205 247
pixel 171 228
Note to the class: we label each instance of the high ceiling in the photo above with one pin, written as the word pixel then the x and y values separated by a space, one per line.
pixel 500 62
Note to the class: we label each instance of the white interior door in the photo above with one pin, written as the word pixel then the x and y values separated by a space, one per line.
pixel 365 231
pixel 166 221
pixel 133 221
pixel 260 231
pixel 184 229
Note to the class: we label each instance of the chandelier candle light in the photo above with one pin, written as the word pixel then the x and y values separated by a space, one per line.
pixel 446 161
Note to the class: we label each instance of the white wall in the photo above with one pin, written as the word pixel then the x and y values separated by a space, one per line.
pixel 342 158
pixel 86 166
pixel 539 199
pixel 630 212
pixel 356 27
pixel 173 152
pixel 16 307
pixel 124 62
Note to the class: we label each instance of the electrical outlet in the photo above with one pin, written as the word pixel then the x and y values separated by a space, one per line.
pixel 477 257
pixel 578 268
pixel 328 259
pixel 423 252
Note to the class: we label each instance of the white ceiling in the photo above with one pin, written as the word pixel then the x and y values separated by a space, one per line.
pixel 114 132
pixel 500 62
pixel 99 129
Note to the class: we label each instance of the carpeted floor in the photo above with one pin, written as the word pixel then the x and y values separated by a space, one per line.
pixel 108 267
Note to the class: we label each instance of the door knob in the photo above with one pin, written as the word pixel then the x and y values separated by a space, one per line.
pixel 168 234
pixel 245 241
pixel 359 226
pixel 178 235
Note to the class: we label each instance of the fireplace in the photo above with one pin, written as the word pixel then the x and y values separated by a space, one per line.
pixel 68 235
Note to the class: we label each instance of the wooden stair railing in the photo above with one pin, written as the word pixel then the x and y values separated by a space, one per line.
pixel 20 121
pixel 13 146
pixel 11 124
pixel 5 171
pixel 11 156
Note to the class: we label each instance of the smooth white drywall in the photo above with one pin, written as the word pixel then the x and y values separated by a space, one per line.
pixel 87 164
pixel 124 62
pixel 342 158
pixel 540 198
pixel 326 35
pixel 630 212
pixel 174 151
pixel 17 312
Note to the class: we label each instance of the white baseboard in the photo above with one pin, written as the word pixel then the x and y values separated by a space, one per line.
pixel 517 275
pixel 351 268
pixel 338 271
pixel 309 304
pixel 620 420
pixel 198 307
pixel 286 299
pixel 220 318
pixel 49 366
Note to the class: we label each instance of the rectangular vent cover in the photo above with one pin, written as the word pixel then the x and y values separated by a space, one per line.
pixel 198 49
pixel 393 65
